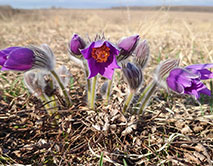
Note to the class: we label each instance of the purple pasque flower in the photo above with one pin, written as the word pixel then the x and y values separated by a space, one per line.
pixel 101 57
pixel 76 44
pixel 16 58
pixel 183 81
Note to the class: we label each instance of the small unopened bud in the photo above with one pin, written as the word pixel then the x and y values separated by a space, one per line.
pixel 127 46
pixel 142 54
pixel 133 76
pixel 76 44
pixel 35 82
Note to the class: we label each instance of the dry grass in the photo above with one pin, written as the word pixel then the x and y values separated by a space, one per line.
pixel 174 130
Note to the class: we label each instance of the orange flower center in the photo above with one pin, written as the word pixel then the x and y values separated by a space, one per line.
pixel 101 54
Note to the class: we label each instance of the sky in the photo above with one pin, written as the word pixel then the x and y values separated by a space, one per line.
pixel 29 4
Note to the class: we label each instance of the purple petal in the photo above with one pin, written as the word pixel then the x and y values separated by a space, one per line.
pixel 181 77
pixel 4 53
pixel 196 88
pixel 99 43
pixel 205 91
pixel 128 43
pixel 203 73
pixel 3 58
pixel 87 51
pixel 200 66
pixel 20 59
pixel 175 86
pixel 93 68
pixel 8 50
pixel 113 49
pixel 107 72
pixel 194 93
pixel 109 69
pixel 113 64
pixel 5 69
pixel 183 73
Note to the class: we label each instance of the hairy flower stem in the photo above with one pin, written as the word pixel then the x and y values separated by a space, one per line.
pixel 127 102
pixel 64 91
pixel 88 82
pixel 142 96
pixel 147 95
pixel 53 99
pixel 109 87
pixel 92 104
pixel 45 100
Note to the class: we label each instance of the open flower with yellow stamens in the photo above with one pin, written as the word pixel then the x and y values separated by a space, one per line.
pixel 101 57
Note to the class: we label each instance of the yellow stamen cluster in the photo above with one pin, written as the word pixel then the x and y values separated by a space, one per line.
pixel 101 54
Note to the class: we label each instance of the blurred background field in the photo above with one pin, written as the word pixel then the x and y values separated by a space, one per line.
pixel 171 34
pixel 186 35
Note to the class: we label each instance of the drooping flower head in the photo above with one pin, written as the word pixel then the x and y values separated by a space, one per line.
pixel 101 57
pixel 188 80
pixel 27 58
pixel 16 58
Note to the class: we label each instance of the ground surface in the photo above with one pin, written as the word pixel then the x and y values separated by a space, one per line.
pixel 174 130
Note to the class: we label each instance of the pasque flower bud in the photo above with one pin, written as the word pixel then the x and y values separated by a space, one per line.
pixel 133 75
pixel 127 46
pixel 76 44
pixel 141 54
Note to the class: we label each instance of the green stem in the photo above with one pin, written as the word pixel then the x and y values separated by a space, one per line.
pixel 44 99
pixel 88 82
pixel 109 87
pixel 93 92
pixel 144 93
pixel 64 91
pixel 127 102
pixel 151 89
pixel 142 96
pixel 53 99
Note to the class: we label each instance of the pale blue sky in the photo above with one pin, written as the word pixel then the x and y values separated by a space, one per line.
pixel 99 3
